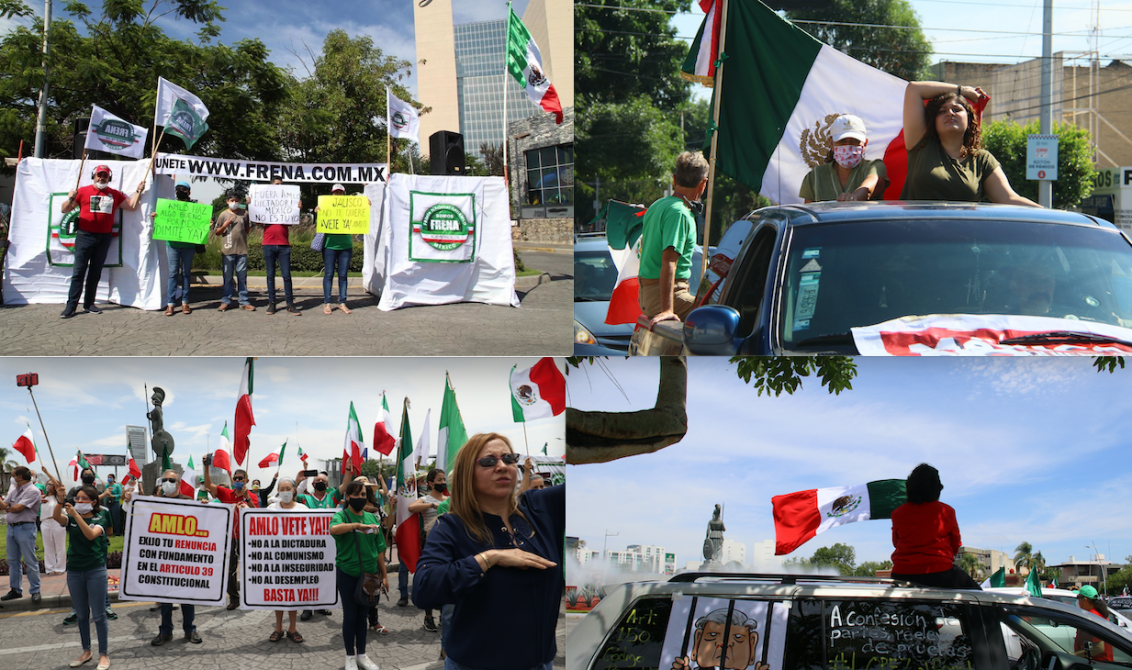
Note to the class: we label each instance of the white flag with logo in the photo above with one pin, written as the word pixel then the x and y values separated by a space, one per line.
pixel 114 135
pixel 403 119
pixel 167 95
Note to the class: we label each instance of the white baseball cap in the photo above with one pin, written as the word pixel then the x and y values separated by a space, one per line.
pixel 339 187
pixel 848 125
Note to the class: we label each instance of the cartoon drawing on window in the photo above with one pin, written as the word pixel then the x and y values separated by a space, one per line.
pixel 721 634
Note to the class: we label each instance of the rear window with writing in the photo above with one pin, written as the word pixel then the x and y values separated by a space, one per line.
pixel 637 639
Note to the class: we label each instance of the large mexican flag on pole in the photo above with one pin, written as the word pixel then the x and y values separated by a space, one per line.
pixel 524 62
pixel 798 517
pixel 408 524
pixel 780 89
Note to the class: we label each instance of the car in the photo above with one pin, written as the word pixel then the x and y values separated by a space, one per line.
pixel 789 622
pixel 1064 596
pixel 910 278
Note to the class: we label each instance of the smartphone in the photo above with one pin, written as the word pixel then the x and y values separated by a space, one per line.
pixel 310 473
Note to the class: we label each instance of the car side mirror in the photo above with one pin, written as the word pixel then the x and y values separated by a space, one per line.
pixel 711 331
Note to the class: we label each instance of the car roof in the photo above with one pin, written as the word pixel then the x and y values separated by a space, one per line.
pixel 837 212
pixel 591 243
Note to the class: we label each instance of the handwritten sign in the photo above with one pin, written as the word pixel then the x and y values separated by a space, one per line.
pixel 176 551
pixel 179 221
pixel 347 214
pixel 271 203
pixel 289 560
pixel 864 634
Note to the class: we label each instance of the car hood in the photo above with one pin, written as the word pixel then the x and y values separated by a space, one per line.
pixel 592 316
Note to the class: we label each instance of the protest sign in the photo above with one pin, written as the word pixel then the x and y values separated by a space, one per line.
pixel 274 204
pixel 288 560
pixel 179 221
pixel 340 214
pixel 176 551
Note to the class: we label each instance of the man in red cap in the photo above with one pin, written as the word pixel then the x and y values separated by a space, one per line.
pixel 97 205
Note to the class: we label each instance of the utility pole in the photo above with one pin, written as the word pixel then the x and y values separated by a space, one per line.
pixel 41 122
pixel 1045 186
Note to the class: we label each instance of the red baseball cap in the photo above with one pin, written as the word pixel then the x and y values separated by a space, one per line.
pixel 103 168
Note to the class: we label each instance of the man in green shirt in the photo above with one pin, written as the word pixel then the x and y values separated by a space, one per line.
pixel 667 242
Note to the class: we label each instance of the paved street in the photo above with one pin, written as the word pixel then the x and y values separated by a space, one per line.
pixel 541 326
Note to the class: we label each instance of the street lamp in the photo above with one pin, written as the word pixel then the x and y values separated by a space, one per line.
pixel 605 555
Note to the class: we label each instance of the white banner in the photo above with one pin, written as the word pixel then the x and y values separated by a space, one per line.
pixel 114 135
pixel 38 267
pixel 271 203
pixel 376 241
pixel 991 335
pixel 176 551
pixel 318 173
pixel 449 240
pixel 288 560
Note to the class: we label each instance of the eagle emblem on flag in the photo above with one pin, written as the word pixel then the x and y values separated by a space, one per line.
pixel 814 143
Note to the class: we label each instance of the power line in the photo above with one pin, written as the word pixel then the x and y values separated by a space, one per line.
pixel 946 2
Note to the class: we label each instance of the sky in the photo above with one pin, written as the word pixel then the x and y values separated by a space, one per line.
pixel 1028 451
pixel 87 403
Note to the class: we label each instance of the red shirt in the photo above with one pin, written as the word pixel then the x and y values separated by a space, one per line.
pixel 1082 637
pixel 276 233
pixel 926 537
pixel 227 495
pixel 96 208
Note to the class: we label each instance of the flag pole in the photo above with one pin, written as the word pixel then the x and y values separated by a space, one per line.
pixel 388 135
pixel 526 444
pixel 714 139
pixel 506 72
pixel 44 429
pixel 81 164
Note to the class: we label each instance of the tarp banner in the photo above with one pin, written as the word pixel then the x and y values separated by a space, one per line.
pixel 179 221
pixel 274 203
pixel 316 173
pixel 288 560
pixel 176 551
pixel 448 240
pixel 376 241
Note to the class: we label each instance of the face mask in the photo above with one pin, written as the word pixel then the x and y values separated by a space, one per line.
pixel 84 508
pixel 320 486
pixel 357 504
pixel 242 206
pixel 233 205
pixel 440 488
pixel 286 496
pixel 182 195
pixel 88 480
pixel 169 488
pixel 101 186
pixel 239 486
pixel 848 156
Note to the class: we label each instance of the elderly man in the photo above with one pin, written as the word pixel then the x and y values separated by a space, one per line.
pixel 169 486
pixel 22 506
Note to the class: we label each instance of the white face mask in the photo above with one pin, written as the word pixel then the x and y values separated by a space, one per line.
pixel 84 508
pixel 286 496
pixel 233 205
pixel 102 186
pixel 169 488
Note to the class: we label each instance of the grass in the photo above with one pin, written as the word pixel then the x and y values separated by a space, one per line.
pixel 116 542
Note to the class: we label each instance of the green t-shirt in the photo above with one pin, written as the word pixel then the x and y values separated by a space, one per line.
pixel 824 183
pixel 934 175
pixel 668 223
pixel 339 242
pixel 442 508
pixel 43 490
pixel 329 502
pixel 372 545
pixel 84 554
pixel 115 493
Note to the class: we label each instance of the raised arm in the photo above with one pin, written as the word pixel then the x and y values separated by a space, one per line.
pixel 915 126
pixel 998 190
pixel 132 204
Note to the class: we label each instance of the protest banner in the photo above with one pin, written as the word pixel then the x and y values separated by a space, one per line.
pixel 288 560
pixel 274 204
pixel 343 214
pixel 179 221
pixel 176 551
pixel 311 173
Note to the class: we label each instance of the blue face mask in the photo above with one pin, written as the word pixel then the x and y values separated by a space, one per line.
pixel 238 485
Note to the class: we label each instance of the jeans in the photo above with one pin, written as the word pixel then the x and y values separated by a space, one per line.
pixel 21 544
pixel 233 570
pixel 402 578
pixel 281 253
pixel 239 263
pixel 353 615
pixel 342 258
pixel 115 510
pixel 90 255
pixel 446 613
pixel 188 613
pixel 180 270
pixel 88 593
pixel 449 664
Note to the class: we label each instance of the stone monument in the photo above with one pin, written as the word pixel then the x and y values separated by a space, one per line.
pixel 713 543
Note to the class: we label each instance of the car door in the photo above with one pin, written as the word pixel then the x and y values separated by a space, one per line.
pixel 1035 638
pixel 745 288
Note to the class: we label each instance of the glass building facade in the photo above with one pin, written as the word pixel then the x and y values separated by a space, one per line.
pixel 479 85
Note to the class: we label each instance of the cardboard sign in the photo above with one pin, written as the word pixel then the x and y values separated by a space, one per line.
pixel 288 560
pixel 176 551
pixel 179 221
pixel 343 214
pixel 758 630
pixel 274 204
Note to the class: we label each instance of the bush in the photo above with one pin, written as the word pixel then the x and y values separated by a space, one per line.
pixel 1006 140
pixel 303 258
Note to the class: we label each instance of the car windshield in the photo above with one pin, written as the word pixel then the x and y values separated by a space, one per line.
pixel 841 276
pixel 594 275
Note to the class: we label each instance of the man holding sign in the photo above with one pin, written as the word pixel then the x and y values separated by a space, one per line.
pixel 183 224
pixel 277 220
pixel 232 228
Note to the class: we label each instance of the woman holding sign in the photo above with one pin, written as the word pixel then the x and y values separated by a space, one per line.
pixel 286 495
pixel 336 251
pixel 494 555
pixel 360 545
pixel 86 526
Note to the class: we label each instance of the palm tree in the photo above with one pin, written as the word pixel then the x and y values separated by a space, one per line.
pixel 970 564
pixel 1039 563
pixel 6 465
pixel 1024 556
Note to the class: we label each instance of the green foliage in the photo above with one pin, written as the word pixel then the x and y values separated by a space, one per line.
pixel 904 53
pixel 630 146
pixel 843 557
pixel 869 568
pixel 970 564
pixel 1006 140
pixel 785 373
pixel 1110 362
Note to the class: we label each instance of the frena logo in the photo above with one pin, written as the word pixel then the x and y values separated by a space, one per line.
pixel 116 135
pixel 183 121
pixel 444 227
pixel 844 505
pixel 527 395
pixel 399 120
pixel 814 144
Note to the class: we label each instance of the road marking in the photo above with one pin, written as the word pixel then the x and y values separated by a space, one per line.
pixel 117 605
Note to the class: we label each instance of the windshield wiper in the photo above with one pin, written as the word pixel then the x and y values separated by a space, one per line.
pixel 579 298
pixel 830 338
pixel 1064 337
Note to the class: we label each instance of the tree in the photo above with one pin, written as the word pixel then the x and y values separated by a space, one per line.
pixel 970 564
pixel 869 568
pixel 492 158
pixel 1006 139
pixel 1024 556
pixel 904 53
pixel 843 557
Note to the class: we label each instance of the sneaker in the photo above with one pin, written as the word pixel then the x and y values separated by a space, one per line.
pixel 306 615
pixel 68 312
pixel 430 625
pixel 403 601
pixel 111 614
pixel 71 618
pixel 351 663
pixel 160 640
pixel 325 612
pixel 193 637
pixel 92 309
pixel 271 308
pixel 365 664
pixel 293 310
pixel 12 595
pixel 36 597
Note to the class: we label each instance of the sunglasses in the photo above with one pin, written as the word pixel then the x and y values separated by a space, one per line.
pixel 490 461
pixel 237 479
pixel 170 479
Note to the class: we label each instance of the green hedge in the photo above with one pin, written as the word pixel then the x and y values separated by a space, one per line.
pixel 303 259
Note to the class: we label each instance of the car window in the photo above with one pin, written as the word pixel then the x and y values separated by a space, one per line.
pixel 861 634
pixel 748 283
pixel 736 634
pixel 1072 640
pixel 845 275
pixel 635 642
pixel 594 275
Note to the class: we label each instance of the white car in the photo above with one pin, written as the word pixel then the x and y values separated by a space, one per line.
pixel 1062 596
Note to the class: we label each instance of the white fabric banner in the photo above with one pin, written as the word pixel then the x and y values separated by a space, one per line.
pixel 114 135
pixel 449 240
pixel 38 266
pixel 176 551
pixel 376 241
pixel 288 560
pixel 992 335
pixel 313 173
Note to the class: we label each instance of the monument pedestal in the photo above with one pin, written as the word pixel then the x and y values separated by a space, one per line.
pixel 152 470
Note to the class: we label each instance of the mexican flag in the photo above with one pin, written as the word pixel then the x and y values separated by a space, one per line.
pixel 799 86
pixel 537 392
pixel 452 434
pixel 190 480
pixel 180 112
pixel 26 445
pixel 302 456
pixel 408 525
pixel 525 64
pixel 798 517
pixel 699 66
pixel 244 418
pixel 1033 584
pixel 220 457
pixel 354 443
pixel 135 471
pixel 274 459
pixel 383 439
pixel 623 226
pixel 998 579
pixel 424 445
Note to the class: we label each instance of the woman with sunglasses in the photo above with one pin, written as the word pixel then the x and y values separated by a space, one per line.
pixel 360 547
pixel 494 556
pixel 86 526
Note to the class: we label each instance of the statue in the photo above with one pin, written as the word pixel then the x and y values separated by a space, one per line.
pixel 713 543
pixel 161 440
